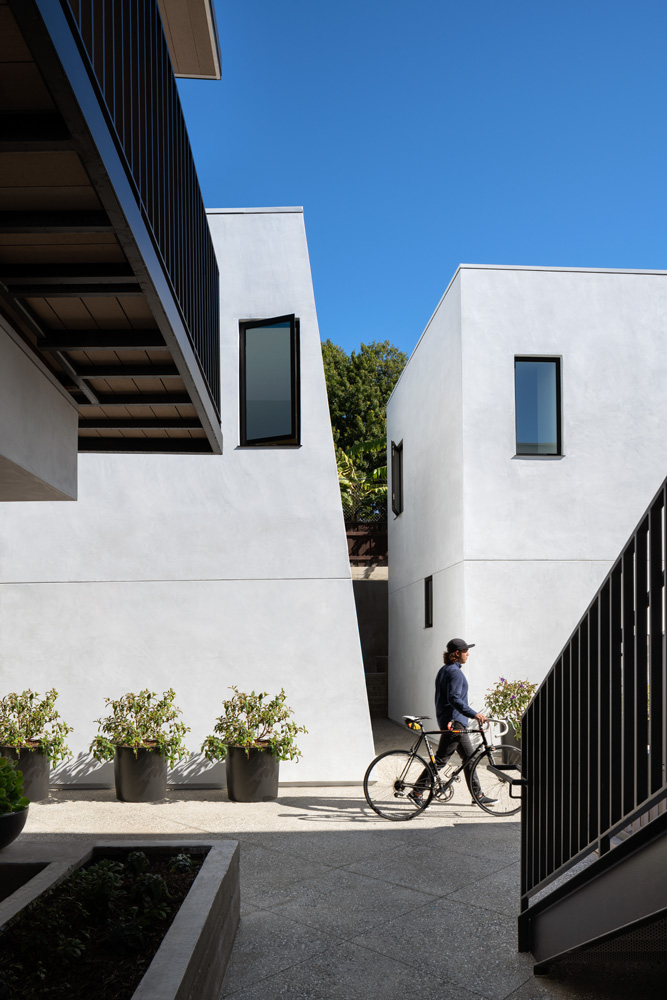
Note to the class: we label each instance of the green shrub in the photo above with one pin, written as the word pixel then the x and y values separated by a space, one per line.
pixel 251 722
pixel 29 722
pixel 509 700
pixel 182 862
pixel 141 721
pixel 12 798
pixel 112 912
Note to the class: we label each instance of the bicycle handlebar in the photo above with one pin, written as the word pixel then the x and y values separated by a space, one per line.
pixel 501 722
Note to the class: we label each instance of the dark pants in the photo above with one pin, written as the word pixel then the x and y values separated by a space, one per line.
pixel 451 743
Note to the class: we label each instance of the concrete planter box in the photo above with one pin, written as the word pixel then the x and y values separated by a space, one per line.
pixel 191 961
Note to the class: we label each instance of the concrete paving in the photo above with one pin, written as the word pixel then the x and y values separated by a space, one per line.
pixel 337 903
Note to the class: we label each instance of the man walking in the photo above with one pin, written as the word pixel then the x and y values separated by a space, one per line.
pixel 451 705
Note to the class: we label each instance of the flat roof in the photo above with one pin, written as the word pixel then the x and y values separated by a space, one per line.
pixel 192 37
pixel 550 267
pixel 253 211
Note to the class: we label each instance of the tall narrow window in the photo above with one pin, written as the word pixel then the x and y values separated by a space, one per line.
pixel 537 387
pixel 397 477
pixel 428 602
pixel 270 381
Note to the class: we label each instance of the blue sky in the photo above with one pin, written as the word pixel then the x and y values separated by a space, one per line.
pixel 421 135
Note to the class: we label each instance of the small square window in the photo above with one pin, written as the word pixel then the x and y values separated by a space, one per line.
pixel 269 381
pixel 538 416
pixel 428 602
pixel 397 478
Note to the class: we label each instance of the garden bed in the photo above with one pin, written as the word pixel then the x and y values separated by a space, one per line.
pixel 131 921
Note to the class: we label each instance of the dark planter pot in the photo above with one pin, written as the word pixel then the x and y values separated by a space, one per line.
pixel 252 778
pixel 36 770
pixel 510 740
pixel 11 825
pixel 142 778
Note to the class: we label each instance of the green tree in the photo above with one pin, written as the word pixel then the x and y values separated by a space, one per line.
pixel 358 386
pixel 363 494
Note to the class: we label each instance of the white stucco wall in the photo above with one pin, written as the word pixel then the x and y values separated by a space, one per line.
pixel 538 534
pixel 38 428
pixel 426 414
pixel 198 572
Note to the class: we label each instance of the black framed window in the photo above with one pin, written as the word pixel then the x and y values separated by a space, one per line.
pixel 397 477
pixel 538 410
pixel 270 390
pixel 428 602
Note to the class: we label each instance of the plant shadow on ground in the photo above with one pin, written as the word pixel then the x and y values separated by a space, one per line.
pixel 58 795
pixel 340 809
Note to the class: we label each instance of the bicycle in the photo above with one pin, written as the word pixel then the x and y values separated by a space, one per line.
pixel 390 782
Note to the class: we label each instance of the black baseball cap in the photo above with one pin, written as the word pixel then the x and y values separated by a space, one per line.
pixel 459 645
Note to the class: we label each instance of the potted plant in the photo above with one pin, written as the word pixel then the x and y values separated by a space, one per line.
pixel 142 734
pixel 33 734
pixel 509 700
pixel 13 803
pixel 253 735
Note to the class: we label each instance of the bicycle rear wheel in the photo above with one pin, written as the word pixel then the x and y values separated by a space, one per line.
pixel 390 781
pixel 495 784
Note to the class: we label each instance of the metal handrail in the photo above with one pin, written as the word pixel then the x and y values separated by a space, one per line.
pixel 129 65
pixel 595 735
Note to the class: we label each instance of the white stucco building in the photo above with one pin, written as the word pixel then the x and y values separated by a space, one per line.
pixel 201 571
pixel 529 431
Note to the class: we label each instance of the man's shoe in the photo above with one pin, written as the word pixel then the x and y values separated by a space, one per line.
pixel 417 798
pixel 483 800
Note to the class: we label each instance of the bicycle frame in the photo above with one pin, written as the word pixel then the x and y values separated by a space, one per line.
pixel 440 786
pixel 414 774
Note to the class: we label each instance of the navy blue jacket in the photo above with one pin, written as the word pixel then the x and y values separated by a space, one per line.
pixel 451 696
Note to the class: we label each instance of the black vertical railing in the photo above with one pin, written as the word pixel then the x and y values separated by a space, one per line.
pixel 129 64
pixel 595 735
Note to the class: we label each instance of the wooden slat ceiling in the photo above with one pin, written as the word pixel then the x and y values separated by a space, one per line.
pixel 66 284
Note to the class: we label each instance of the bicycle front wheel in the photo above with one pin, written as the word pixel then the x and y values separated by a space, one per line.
pixel 495 783
pixel 394 780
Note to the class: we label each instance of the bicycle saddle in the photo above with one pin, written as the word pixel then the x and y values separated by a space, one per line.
pixel 414 721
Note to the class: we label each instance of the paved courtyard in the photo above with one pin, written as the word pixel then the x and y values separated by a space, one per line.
pixel 338 904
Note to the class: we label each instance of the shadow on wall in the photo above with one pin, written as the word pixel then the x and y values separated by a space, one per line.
pixel 84 771
pixel 196 771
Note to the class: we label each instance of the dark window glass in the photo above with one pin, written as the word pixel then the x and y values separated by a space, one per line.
pixel 270 381
pixel 537 382
pixel 428 602
pixel 397 477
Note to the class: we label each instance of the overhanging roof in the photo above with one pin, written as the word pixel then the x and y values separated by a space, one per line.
pixel 192 36
pixel 99 267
